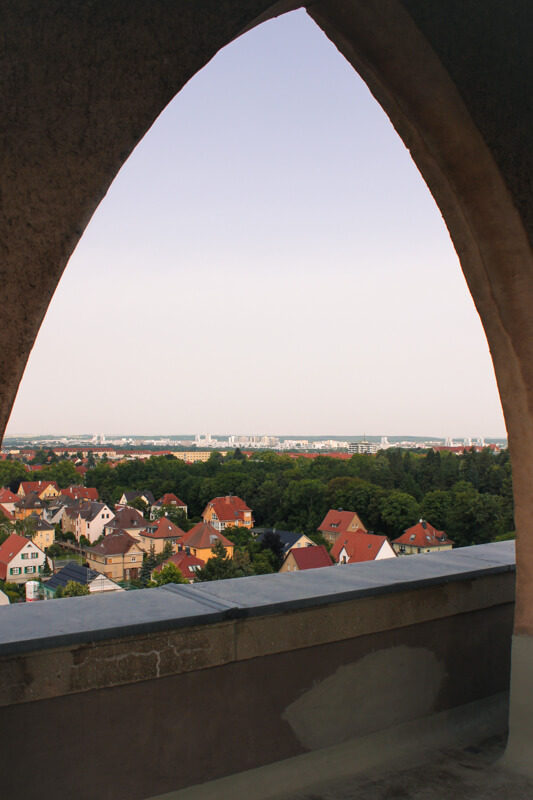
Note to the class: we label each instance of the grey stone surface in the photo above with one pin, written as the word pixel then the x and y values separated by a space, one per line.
pixel 86 619
pixel 57 623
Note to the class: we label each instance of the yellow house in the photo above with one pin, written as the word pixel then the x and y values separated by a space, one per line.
pixel 337 522
pixel 44 489
pixel 44 534
pixel 158 534
pixel 201 539
pixel 118 556
pixel 228 512
pixel 28 505
pixel 421 538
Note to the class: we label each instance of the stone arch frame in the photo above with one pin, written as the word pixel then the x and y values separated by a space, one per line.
pixel 83 82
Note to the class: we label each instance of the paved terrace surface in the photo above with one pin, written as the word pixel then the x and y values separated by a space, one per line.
pixel 469 774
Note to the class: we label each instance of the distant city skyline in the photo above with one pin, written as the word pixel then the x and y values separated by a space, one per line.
pixel 268 259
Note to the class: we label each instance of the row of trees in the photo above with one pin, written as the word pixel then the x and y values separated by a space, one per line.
pixel 468 496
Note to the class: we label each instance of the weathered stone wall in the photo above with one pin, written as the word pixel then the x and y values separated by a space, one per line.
pixel 184 685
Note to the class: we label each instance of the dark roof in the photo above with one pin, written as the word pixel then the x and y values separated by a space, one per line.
pixel 288 538
pixel 40 523
pixel 71 572
pixel 133 496
pixel 127 517
pixel 113 544
pixel 31 500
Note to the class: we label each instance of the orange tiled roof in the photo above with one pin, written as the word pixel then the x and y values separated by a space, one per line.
pixel 201 536
pixel 423 535
pixel 229 509
pixel 359 546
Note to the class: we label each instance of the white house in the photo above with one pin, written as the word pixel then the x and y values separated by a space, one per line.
pixel 20 559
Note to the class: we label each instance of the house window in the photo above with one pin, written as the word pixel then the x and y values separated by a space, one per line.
pixel 25 555
pixel 134 558
pixel 35 555
pixel 14 571
pixel 29 570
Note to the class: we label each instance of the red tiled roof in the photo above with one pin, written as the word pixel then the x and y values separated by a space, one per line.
pixel 7 514
pixel 337 521
pixel 7 496
pixel 359 546
pixel 184 563
pixel 163 529
pixel 80 493
pixel 37 486
pixel 170 500
pixel 201 537
pixel 9 550
pixel 423 535
pixel 81 470
pixel 228 509
pixel 311 557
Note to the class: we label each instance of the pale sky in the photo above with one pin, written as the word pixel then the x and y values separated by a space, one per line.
pixel 268 260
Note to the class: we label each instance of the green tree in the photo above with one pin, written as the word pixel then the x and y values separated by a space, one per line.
pixel 75 589
pixel 398 512
pixel 169 573
pixel 141 505
pixel 174 514
pixel 272 541
pixel 148 566
pixel 47 571
pixel 436 507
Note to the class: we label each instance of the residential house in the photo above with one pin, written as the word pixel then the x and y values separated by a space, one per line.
pixel 44 489
pixel 29 504
pixel 306 558
pixel 337 522
pixel 354 546
pixel 96 582
pixel 127 519
pixel 129 497
pixel 80 492
pixel 201 539
pixel 8 499
pixel 228 512
pixel 167 500
pixel 118 556
pixel 91 519
pixel 188 565
pixel 421 538
pixel 56 509
pixel 288 538
pixel 43 534
pixel 158 533
pixel 20 559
